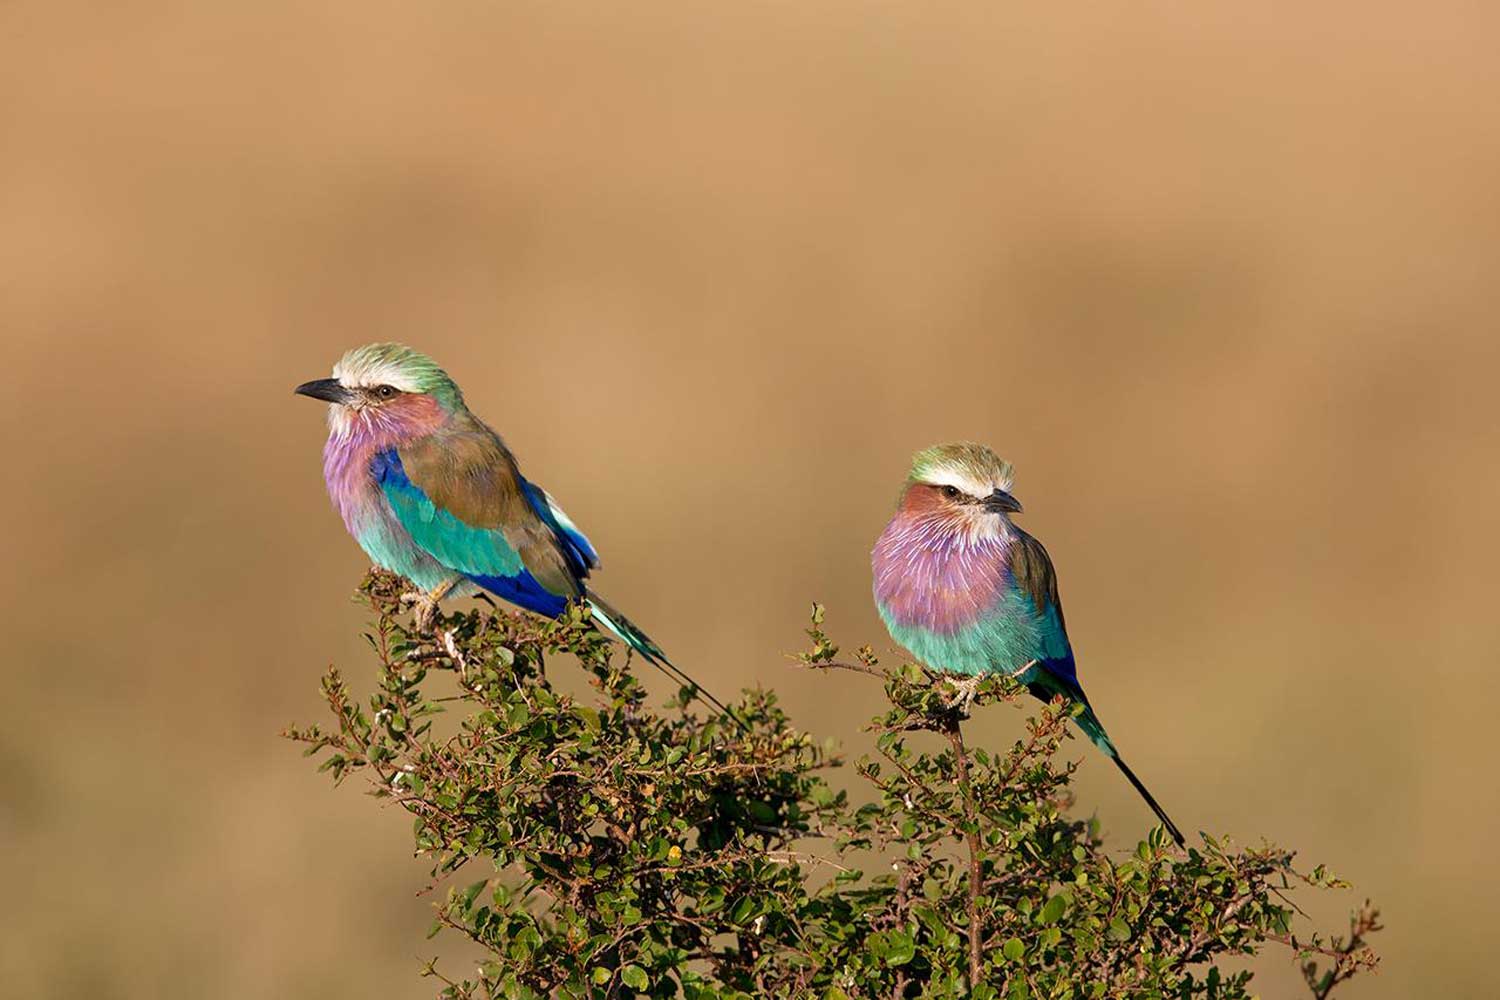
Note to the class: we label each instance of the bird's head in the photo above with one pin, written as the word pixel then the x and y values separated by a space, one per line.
pixel 387 389
pixel 964 483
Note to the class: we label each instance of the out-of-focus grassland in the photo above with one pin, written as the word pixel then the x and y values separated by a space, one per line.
pixel 1220 283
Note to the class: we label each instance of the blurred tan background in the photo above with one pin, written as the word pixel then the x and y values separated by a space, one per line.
pixel 1220 282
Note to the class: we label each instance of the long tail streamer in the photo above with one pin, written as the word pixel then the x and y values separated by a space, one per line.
pixel 651 652
pixel 1161 813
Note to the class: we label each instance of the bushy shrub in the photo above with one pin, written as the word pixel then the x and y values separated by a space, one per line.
pixel 622 851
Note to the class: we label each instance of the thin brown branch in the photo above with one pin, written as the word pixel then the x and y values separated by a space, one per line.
pixel 1349 956
pixel 976 863
pixel 858 668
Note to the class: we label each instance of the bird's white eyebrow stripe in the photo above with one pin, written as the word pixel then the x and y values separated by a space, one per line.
pixel 954 478
pixel 369 376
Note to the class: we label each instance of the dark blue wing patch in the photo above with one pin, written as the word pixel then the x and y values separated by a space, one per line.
pixel 523 590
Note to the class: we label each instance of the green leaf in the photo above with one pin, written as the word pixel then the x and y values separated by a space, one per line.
pixel 1053 911
pixel 1013 949
pixel 742 910
pixel 472 892
pixel 635 977
pixel 902 948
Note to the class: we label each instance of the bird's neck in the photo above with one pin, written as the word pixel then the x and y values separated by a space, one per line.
pixel 939 572
pixel 355 437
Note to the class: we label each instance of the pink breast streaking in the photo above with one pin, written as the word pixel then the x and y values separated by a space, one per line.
pixel 931 573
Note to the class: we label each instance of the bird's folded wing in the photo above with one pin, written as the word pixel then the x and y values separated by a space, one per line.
pixel 1031 568
pixel 1036 585
pixel 462 501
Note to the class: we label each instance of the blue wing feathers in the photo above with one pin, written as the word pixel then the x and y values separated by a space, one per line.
pixel 523 590
pixel 1056 672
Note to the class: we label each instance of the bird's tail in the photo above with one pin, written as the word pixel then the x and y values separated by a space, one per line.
pixel 642 643
pixel 1161 813
pixel 1044 685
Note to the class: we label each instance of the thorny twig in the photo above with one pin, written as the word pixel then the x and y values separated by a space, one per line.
pixel 1350 955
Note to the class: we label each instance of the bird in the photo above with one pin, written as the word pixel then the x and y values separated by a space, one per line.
pixel 432 493
pixel 962 587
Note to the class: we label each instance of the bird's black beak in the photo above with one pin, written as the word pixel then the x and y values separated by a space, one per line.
pixel 1002 502
pixel 327 389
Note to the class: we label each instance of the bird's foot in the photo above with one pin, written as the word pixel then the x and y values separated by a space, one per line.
pixel 964 692
pixel 424 608
pixel 425 603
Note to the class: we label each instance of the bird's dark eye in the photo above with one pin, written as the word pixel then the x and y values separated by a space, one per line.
pixel 385 391
pixel 951 492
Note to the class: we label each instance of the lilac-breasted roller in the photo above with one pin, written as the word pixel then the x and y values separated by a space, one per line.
pixel 431 492
pixel 968 592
